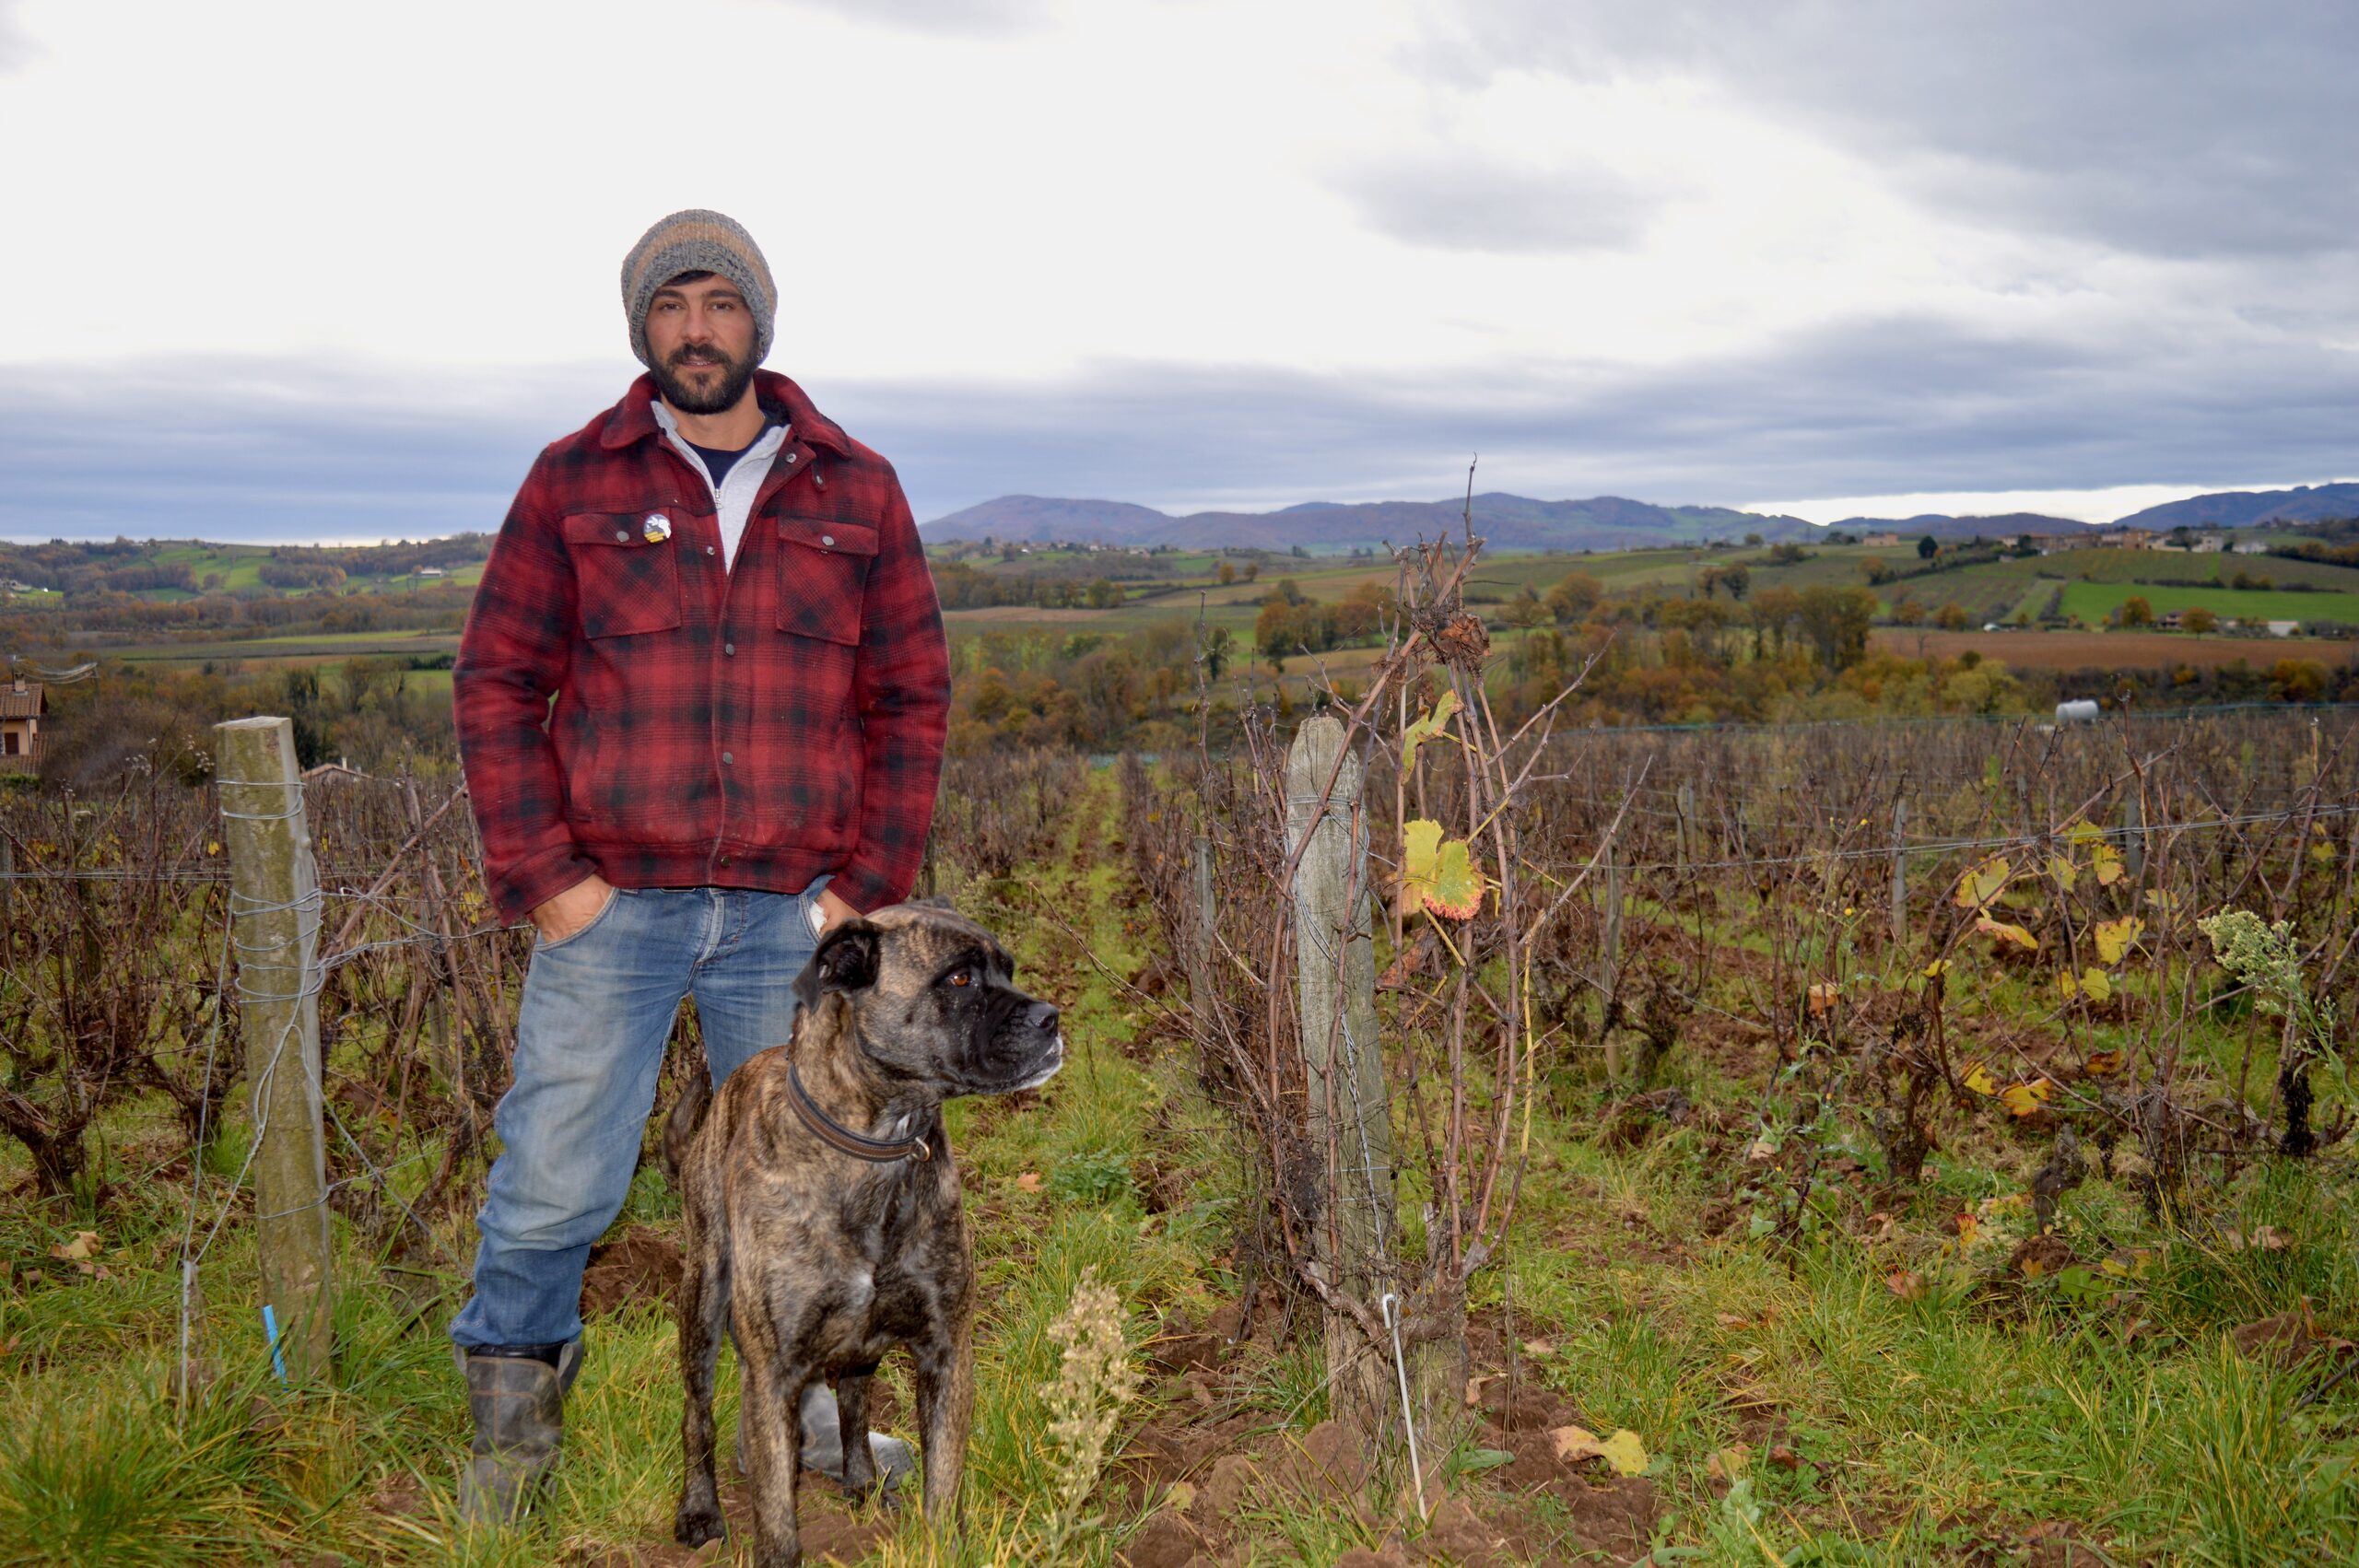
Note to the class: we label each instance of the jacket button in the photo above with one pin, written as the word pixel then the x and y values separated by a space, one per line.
pixel 728 757
pixel 621 535
pixel 707 549
pixel 723 860
pixel 730 649
pixel 827 539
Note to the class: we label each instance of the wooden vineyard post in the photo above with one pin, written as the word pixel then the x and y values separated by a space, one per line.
pixel 1899 873
pixel 274 922
pixel 1348 1105
pixel 2133 848
pixel 1686 803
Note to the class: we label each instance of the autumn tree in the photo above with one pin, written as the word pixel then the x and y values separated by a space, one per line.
pixel 2135 611
pixel 2199 620
pixel 1574 595
pixel 1951 617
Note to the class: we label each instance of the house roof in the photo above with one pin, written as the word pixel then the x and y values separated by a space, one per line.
pixel 24 701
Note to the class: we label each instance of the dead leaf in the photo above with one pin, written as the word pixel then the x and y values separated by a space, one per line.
pixel 1905 1283
pixel 83 1244
pixel 1540 1347
pixel 1623 1451
pixel 1822 997
pixel 1730 1464
pixel 1029 1181
pixel 2024 1099
pixel 2104 1064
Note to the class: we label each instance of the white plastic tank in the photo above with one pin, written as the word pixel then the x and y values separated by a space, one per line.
pixel 2084 711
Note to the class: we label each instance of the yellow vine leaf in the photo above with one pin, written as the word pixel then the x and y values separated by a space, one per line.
pixel 1426 727
pixel 2023 1099
pixel 1978 1079
pixel 2098 984
pixel 2162 898
pixel 1984 883
pixel 1937 968
pixel 2083 834
pixel 2066 986
pixel 2115 937
pixel 2005 932
pixel 2062 873
pixel 2104 1064
pixel 2106 862
pixel 1437 876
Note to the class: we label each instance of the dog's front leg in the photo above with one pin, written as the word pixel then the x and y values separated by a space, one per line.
pixel 774 1374
pixel 945 1368
pixel 704 1317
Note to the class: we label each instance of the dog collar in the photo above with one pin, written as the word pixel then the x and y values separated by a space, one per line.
pixel 844 1139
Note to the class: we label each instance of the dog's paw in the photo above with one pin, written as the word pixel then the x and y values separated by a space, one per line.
pixel 693 1527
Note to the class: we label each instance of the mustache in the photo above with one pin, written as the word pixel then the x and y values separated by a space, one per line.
pixel 685 357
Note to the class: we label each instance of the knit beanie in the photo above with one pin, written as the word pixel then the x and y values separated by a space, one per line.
pixel 697 240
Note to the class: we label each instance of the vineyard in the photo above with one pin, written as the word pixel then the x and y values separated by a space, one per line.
pixel 1882 1143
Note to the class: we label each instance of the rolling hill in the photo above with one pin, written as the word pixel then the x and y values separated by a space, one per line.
pixel 1600 522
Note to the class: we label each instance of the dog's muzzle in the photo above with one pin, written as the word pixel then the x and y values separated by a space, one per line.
pixel 1042 1018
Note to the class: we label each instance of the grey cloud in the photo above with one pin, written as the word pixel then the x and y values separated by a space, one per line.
pixel 1872 407
pixel 1467 202
pixel 2174 127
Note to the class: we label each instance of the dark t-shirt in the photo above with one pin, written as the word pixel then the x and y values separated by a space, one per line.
pixel 717 463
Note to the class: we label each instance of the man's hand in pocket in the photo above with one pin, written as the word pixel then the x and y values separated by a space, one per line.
pixel 570 911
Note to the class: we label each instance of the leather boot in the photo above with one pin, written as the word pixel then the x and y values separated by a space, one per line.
pixel 518 1401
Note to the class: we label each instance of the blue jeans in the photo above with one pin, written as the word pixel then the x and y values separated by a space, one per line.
pixel 590 1036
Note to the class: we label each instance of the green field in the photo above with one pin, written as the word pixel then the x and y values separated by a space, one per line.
pixel 2093 602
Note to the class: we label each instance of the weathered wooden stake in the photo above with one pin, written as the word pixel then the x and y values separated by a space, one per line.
pixel 1899 873
pixel 1686 801
pixel 2133 852
pixel 273 903
pixel 1348 1113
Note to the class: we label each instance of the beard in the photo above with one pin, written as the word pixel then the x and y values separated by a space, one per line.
pixel 737 375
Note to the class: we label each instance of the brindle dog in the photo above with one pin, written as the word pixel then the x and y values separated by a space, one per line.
pixel 823 1216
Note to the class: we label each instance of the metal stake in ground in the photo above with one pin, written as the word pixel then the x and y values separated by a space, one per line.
pixel 275 910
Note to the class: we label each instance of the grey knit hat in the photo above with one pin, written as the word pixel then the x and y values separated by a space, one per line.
pixel 698 240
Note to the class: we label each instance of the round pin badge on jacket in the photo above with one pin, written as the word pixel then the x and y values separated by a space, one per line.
pixel 657 528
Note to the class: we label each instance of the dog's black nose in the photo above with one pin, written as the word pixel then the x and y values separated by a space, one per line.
pixel 1042 1015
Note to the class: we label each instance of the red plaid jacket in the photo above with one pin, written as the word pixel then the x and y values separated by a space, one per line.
pixel 751 727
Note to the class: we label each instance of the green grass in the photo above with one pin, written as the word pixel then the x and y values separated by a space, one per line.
pixel 2093 602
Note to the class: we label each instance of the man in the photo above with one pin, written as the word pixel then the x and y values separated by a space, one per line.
pixel 701 699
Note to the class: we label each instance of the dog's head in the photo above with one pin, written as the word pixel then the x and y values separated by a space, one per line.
pixel 930 996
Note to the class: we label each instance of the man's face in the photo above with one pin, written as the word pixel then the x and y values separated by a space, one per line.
pixel 700 336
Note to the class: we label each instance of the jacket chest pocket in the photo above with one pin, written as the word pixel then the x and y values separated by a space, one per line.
pixel 624 582
pixel 822 575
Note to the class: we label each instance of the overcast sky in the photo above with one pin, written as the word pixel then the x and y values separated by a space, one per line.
pixel 306 271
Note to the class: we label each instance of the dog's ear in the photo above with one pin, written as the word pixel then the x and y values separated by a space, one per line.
pixel 846 960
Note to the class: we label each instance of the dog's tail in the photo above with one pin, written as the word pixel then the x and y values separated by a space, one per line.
pixel 680 1127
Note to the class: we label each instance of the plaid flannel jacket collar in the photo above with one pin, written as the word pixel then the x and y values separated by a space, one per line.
pixel 634 418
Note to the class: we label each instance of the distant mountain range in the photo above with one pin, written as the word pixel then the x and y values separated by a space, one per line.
pixel 1602 522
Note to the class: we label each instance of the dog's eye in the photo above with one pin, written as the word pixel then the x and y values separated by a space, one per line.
pixel 963 978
